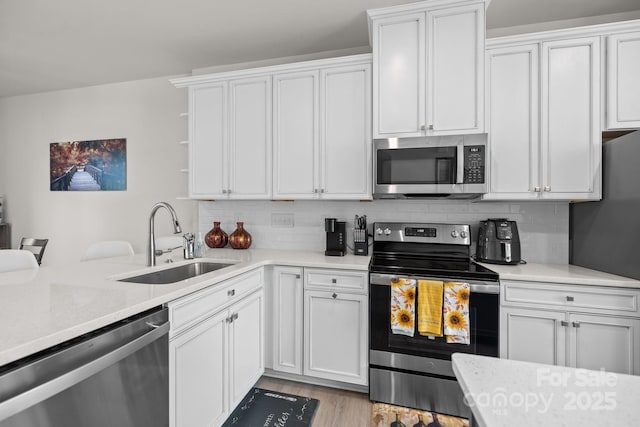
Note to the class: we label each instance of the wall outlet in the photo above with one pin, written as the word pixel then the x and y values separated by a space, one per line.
pixel 282 220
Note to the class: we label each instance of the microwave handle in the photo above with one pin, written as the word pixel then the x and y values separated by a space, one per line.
pixel 460 164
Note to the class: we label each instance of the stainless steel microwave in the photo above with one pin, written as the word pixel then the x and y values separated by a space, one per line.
pixel 430 167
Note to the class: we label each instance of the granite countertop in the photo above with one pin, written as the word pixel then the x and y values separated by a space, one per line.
pixel 46 306
pixel 510 393
pixel 561 274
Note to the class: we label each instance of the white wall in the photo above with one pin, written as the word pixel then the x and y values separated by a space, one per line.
pixel 144 112
pixel 543 226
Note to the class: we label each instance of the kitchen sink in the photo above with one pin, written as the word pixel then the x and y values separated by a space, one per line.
pixel 176 274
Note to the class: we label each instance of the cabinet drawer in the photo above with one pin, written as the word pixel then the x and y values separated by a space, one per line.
pixel 201 304
pixel 345 279
pixel 573 297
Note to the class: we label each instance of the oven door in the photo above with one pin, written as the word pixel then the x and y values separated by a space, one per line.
pixel 483 317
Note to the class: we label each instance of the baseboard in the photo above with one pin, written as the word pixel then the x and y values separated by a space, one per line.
pixel 316 381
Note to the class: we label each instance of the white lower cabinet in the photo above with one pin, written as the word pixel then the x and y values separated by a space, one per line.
pixel 579 333
pixel 320 323
pixel 335 338
pixel 217 358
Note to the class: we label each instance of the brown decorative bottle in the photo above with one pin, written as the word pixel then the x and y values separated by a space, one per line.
pixel 216 237
pixel 240 239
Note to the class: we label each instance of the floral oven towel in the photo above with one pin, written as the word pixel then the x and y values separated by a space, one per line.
pixel 456 312
pixel 403 306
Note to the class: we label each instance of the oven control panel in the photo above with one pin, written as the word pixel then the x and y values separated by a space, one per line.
pixel 422 233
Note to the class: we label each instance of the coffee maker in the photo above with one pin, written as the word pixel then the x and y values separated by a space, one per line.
pixel 336 237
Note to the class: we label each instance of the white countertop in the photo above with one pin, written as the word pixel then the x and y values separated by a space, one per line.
pixel 510 393
pixel 561 273
pixel 44 307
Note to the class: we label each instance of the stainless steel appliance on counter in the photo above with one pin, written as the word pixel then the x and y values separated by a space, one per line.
pixel 605 235
pixel 498 242
pixel 115 376
pixel 451 167
pixel 415 371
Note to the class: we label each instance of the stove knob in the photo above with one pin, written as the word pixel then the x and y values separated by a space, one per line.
pixel 454 234
pixel 463 234
pixel 387 232
pixel 379 231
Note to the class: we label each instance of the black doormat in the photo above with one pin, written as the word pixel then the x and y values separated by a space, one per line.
pixel 265 408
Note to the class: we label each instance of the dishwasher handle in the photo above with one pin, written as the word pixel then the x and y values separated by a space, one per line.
pixel 16 404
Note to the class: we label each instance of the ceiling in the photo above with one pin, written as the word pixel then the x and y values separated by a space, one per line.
pixel 49 45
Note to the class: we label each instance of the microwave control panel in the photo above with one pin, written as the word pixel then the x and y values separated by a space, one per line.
pixel 474 164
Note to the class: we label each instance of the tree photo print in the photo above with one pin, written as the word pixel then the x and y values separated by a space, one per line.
pixel 99 165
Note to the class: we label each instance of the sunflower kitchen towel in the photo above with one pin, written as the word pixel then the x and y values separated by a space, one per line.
pixel 403 306
pixel 430 307
pixel 455 311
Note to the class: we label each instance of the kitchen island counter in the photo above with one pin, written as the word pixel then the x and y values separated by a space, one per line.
pixel 44 307
pixel 510 393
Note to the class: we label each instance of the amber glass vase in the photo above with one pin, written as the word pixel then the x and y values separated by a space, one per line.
pixel 216 237
pixel 240 239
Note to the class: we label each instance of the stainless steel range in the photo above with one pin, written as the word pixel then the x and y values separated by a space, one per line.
pixel 408 368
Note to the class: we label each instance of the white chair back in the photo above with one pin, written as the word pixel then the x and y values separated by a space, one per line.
pixel 108 249
pixel 17 259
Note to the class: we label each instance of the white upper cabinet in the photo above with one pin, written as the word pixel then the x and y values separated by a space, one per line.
pixel 208 136
pixel 428 69
pixel 230 139
pixel 623 84
pixel 296 104
pixel 544 108
pixel 322 131
pixel 512 122
pixel 570 134
pixel 292 131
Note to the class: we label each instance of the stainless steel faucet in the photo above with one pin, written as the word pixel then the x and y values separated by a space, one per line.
pixel 151 249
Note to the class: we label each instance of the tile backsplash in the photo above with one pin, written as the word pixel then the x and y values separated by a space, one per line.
pixel 543 226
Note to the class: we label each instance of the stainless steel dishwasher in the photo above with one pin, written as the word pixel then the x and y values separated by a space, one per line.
pixel 115 376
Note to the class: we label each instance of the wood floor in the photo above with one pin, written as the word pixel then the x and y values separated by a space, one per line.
pixel 338 408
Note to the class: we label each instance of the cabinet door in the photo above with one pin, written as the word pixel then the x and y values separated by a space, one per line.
pixel 249 138
pixel 603 342
pixel 533 335
pixel 208 135
pixel 399 75
pixel 246 346
pixel 512 125
pixel 345 124
pixel 296 103
pixel 287 319
pixel 623 85
pixel 570 119
pixel 335 338
pixel 455 70
pixel 198 374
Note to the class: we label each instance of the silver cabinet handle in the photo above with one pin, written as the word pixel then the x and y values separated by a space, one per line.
pixel 233 317
pixel 297 276
pixel 228 191
pixel 536 189
pixel 430 127
pixel 315 190
pixel 334 295
pixel 224 191
pixel 322 190
pixel 231 292
pixel 569 298
pixel 334 280
pixel 547 188
pixel 576 324
pixel 564 323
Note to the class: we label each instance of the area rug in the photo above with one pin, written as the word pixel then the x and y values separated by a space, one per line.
pixel 265 408
pixel 383 415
